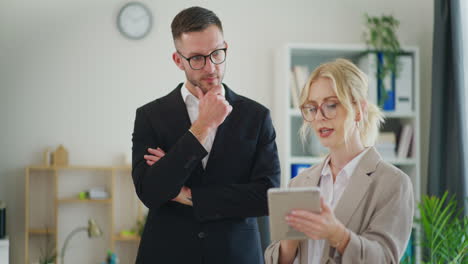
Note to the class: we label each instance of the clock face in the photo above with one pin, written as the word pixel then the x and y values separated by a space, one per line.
pixel 134 20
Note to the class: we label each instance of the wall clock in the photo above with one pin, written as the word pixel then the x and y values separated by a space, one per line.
pixel 134 20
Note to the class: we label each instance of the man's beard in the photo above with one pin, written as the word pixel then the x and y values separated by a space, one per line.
pixel 205 88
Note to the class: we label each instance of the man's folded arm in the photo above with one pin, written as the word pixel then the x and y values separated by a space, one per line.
pixel 161 182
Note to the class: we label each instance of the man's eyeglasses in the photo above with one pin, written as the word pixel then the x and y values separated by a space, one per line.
pixel 197 62
pixel 327 108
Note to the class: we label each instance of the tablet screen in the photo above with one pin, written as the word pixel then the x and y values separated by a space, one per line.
pixel 281 201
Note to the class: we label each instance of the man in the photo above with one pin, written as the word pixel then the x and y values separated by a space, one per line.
pixel 203 157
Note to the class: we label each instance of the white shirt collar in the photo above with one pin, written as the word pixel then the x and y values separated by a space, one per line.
pixel 348 168
pixel 186 93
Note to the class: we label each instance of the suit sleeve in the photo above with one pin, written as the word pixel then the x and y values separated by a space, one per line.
pixel 385 239
pixel 158 184
pixel 243 200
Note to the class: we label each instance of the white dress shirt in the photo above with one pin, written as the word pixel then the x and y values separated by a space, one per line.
pixel 192 102
pixel 331 193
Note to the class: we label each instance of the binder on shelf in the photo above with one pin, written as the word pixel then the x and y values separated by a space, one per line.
pixel 369 64
pixel 301 72
pixel 404 85
pixel 298 168
pixel 404 141
pixel 398 87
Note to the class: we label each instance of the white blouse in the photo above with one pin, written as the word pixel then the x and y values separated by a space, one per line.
pixel 331 192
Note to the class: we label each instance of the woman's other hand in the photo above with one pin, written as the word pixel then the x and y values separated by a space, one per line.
pixel 320 226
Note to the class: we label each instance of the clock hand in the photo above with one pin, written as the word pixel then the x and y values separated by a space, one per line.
pixel 138 18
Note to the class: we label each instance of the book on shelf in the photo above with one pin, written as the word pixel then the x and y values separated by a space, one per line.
pixel 404 141
pixel 398 87
pixel 98 193
pixel 301 74
pixel 298 168
pixel 386 144
pixel 294 91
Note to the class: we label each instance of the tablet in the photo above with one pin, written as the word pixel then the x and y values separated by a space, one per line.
pixel 281 201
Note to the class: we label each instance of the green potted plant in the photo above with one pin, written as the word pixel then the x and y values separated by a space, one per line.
pixel 444 231
pixel 380 37
pixel 48 254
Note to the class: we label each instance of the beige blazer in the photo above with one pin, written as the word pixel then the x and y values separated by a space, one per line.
pixel 376 207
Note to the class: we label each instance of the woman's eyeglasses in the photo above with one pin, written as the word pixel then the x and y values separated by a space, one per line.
pixel 327 109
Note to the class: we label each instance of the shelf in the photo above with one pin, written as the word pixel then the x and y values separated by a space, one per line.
pixel 78 167
pixel 83 168
pixel 52 199
pixel 399 115
pixel 126 238
pixel 41 231
pixel 306 160
pixel 400 161
pixel 124 167
pixel 76 200
pixel 40 167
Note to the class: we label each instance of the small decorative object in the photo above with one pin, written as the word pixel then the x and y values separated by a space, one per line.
pixel 97 193
pixel 134 20
pixel 92 229
pixel 380 37
pixel 83 195
pixel 128 233
pixel 60 157
pixel 136 231
pixel 111 258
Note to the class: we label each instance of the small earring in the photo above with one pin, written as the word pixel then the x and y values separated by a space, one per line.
pixel 358 117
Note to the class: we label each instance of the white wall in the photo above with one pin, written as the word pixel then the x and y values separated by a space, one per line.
pixel 68 76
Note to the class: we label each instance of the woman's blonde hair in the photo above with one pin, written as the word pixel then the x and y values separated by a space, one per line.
pixel 351 87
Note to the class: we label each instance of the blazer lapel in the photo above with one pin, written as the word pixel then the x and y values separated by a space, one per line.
pixel 358 184
pixel 179 120
pixel 313 178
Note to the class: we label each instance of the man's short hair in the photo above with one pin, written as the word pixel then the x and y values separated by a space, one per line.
pixel 194 19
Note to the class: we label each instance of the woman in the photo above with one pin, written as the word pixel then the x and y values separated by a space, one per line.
pixel 367 204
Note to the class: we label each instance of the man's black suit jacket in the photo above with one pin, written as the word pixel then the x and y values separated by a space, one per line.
pixel 227 196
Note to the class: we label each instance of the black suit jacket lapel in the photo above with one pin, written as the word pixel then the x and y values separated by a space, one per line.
pixel 177 115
